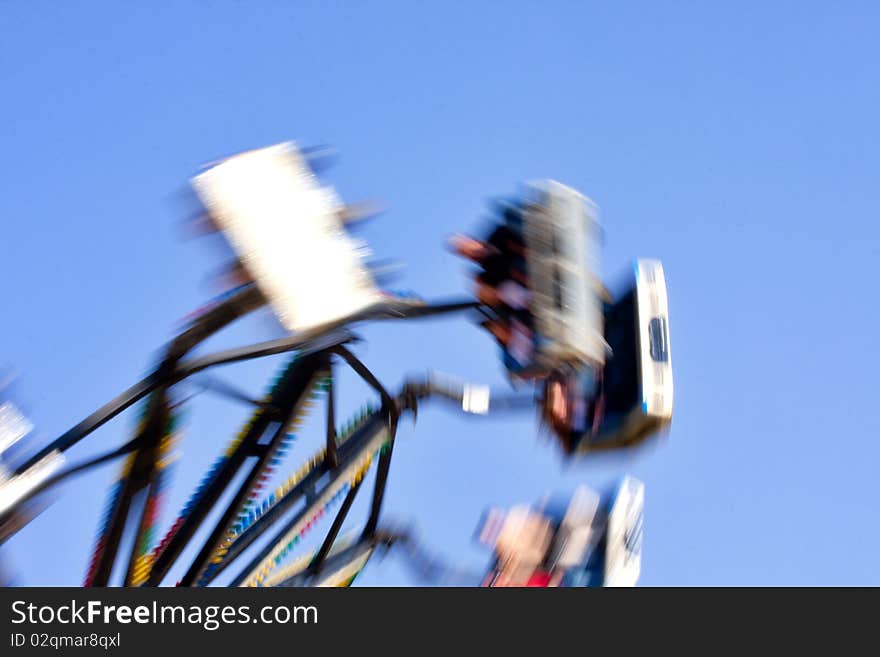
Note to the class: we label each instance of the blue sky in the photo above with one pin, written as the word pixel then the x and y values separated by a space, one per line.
pixel 737 143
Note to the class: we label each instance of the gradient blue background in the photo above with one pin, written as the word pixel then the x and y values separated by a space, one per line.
pixel 738 143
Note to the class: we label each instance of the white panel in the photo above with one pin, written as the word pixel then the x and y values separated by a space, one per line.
pixel 623 548
pixel 14 489
pixel 13 425
pixel 561 232
pixel 286 229
pixel 657 390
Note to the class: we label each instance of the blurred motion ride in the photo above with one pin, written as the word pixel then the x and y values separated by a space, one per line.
pixel 595 363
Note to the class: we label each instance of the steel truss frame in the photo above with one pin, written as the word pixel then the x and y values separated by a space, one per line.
pixel 337 469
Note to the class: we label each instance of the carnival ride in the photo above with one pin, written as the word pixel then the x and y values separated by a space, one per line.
pixel 598 366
